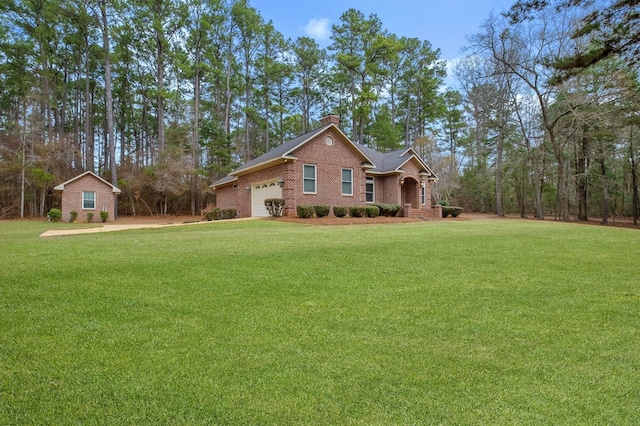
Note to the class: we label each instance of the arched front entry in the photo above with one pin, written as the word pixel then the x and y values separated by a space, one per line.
pixel 411 192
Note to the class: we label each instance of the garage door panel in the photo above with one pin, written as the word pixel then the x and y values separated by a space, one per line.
pixel 259 193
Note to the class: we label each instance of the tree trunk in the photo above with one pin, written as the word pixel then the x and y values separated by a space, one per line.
pixel 109 100
pixel 499 171
pixel 160 83
pixel 88 131
pixel 23 139
pixel 634 179
pixel 563 184
pixel 536 183
pixel 196 132
pixel 582 167
pixel 605 184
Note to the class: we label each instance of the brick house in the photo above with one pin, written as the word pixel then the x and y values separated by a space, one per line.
pixel 324 167
pixel 86 193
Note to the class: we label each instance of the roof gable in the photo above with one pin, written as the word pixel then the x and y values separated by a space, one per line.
pixel 392 162
pixel 61 186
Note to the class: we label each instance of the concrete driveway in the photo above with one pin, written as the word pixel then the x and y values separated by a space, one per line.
pixel 124 226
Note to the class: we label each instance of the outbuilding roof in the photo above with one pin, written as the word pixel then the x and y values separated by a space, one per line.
pixel 60 187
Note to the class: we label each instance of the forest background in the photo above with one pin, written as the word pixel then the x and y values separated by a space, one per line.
pixel 163 97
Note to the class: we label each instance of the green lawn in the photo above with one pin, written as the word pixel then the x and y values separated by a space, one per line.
pixel 270 323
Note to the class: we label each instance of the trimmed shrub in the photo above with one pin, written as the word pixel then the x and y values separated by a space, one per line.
pixel 372 211
pixel 444 203
pixel 104 215
pixel 73 216
pixel 89 217
pixel 321 211
pixel 339 211
pixel 228 213
pixel 220 214
pixel 212 214
pixel 203 212
pixel 451 210
pixel 54 215
pixel 304 212
pixel 388 209
pixel 274 206
pixel 356 211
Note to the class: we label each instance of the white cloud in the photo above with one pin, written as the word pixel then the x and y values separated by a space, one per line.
pixel 318 28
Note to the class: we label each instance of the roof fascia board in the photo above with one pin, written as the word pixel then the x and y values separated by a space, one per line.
pixel 264 165
pixel 229 182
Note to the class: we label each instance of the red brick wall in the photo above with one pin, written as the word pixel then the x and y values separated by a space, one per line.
pixel 391 189
pixel 329 162
pixel 226 197
pixel 72 199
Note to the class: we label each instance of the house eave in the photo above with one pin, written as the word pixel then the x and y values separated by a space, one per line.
pixel 264 165
pixel 216 185
pixel 386 173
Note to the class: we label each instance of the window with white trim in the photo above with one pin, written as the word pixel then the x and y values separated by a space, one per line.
pixel 370 190
pixel 423 195
pixel 309 177
pixel 88 200
pixel 347 181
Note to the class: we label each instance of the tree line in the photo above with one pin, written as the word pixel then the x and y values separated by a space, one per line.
pixel 162 97
pixel 547 119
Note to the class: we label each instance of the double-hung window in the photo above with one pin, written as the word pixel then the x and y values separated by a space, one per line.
pixel 309 177
pixel 88 200
pixel 369 190
pixel 347 181
pixel 423 195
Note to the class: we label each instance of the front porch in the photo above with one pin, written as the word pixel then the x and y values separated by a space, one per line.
pixel 431 213
pixel 416 200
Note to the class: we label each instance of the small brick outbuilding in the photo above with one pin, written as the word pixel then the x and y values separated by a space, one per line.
pixel 88 193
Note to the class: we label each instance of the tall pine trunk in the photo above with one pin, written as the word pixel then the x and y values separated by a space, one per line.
pixel 108 93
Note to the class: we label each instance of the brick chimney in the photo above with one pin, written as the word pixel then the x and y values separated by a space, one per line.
pixel 328 119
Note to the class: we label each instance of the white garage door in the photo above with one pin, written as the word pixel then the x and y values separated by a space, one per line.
pixel 259 193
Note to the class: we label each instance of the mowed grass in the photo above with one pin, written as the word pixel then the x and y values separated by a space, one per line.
pixel 271 323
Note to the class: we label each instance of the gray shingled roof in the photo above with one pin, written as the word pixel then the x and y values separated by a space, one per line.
pixel 280 151
pixel 386 162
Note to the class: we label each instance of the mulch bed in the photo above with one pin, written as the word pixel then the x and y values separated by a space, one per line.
pixel 332 220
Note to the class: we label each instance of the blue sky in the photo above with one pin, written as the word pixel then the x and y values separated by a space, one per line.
pixel 443 23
